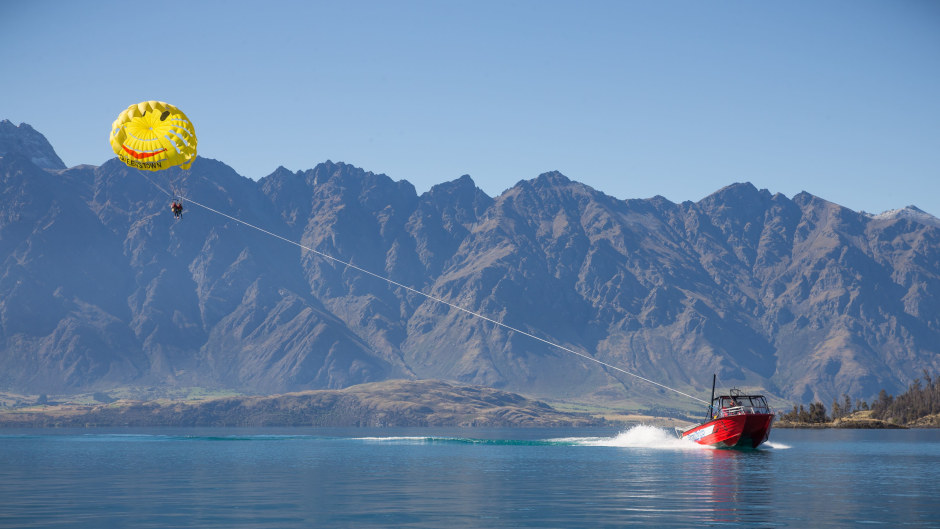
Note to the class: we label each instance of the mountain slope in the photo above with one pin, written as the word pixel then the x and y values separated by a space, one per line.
pixel 100 287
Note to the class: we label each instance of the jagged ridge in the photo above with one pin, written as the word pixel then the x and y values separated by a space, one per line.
pixel 100 287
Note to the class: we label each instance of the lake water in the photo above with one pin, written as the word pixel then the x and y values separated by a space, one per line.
pixel 473 478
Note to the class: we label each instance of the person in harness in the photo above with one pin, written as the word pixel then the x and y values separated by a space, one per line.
pixel 177 209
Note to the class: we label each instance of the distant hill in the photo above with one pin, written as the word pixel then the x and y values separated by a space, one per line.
pixel 100 287
pixel 380 404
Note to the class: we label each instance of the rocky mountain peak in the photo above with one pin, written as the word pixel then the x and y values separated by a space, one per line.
pixel 912 213
pixel 463 183
pixel 552 178
pixel 461 190
pixel 25 140
pixel 283 172
pixel 357 180
pixel 742 194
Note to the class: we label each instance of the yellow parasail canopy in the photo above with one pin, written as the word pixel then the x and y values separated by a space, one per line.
pixel 154 135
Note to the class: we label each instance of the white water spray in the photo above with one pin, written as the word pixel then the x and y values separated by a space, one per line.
pixel 639 436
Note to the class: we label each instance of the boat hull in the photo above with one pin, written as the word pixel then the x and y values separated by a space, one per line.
pixel 735 431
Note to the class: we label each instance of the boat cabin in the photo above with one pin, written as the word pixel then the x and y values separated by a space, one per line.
pixel 737 403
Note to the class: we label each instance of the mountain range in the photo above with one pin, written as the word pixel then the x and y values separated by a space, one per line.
pixel 100 287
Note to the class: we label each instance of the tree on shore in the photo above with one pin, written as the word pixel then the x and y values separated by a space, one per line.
pixel 815 415
pixel 845 408
pixel 922 398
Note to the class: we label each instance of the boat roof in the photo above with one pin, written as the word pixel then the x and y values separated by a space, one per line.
pixel 735 393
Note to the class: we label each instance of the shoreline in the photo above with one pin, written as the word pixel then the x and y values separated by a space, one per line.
pixel 843 424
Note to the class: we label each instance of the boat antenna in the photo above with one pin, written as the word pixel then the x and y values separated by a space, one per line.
pixel 711 402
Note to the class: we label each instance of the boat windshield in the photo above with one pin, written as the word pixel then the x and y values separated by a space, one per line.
pixel 725 405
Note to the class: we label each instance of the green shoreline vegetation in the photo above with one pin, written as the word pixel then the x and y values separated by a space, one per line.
pixel 918 407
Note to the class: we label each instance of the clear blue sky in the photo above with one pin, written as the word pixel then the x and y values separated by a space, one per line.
pixel 838 98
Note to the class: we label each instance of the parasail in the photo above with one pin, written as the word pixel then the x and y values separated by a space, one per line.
pixel 154 135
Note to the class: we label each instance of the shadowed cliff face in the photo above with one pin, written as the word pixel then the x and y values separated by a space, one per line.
pixel 100 286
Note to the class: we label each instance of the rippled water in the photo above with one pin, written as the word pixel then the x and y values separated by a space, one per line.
pixel 463 478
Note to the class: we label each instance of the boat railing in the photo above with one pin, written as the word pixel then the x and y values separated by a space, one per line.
pixel 743 410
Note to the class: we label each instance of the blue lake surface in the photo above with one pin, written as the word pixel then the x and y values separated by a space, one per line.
pixel 475 478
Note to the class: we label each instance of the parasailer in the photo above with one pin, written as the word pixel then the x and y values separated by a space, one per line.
pixel 153 135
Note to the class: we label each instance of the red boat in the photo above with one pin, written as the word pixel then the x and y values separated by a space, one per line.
pixel 735 420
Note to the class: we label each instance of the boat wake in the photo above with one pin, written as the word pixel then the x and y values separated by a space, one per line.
pixel 424 440
pixel 639 436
